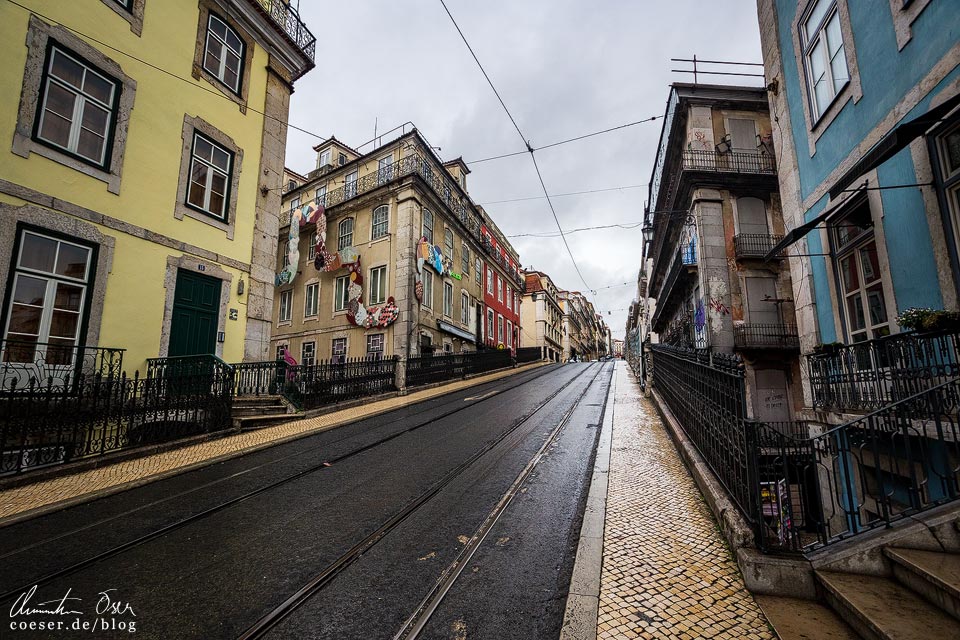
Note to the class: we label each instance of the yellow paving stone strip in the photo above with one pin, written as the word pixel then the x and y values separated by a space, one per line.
pixel 667 572
pixel 121 475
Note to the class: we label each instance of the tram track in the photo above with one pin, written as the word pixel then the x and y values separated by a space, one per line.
pixel 462 404
pixel 270 620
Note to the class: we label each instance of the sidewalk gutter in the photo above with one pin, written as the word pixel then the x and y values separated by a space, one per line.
pixel 583 601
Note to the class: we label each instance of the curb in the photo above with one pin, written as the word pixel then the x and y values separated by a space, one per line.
pixel 583 600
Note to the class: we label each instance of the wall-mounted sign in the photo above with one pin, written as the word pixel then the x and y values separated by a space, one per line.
pixel 201 267
pixel 233 314
pixel 221 336
pixel 456 276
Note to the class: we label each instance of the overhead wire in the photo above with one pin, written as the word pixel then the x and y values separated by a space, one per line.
pixel 570 193
pixel 624 225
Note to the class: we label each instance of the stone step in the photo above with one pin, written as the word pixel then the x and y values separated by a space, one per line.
pixel 258 422
pixel 256 400
pixel 934 575
pixel 259 410
pixel 796 619
pixel 882 609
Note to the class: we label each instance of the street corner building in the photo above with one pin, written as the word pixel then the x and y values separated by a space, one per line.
pixel 140 194
pixel 382 253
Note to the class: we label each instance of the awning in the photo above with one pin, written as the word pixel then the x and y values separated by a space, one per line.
pixel 456 331
pixel 891 144
pixel 795 234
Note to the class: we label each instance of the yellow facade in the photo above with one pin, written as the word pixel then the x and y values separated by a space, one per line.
pixel 135 218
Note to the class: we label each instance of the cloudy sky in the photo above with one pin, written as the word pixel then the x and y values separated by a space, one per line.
pixel 564 68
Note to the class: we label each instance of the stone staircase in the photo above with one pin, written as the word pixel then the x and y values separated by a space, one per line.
pixel 919 599
pixel 255 411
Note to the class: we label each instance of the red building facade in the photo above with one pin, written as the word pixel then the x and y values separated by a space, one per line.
pixel 502 291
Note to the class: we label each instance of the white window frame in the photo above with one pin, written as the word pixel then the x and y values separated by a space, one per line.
pixel 339 357
pixel 285 308
pixel 448 299
pixel 510 333
pixel 427 215
pixel 220 73
pixel 380 228
pixel 377 290
pixel 491 319
pixel 499 329
pixel 385 169
pixel 489 280
pixel 344 235
pixel 814 39
pixel 212 170
pixel 427 289
pixel 320 197
pixel 448 241
pixel 341 293
pixel 311 300
pixel 350 184
pixel 478 265
pixel 324 159
pixel 312 356
pixel 280 350
pixel 372 350
pixel 509 298
pixel 464 308
pixel 464 259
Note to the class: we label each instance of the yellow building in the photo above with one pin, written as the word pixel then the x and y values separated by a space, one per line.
pixel 139 196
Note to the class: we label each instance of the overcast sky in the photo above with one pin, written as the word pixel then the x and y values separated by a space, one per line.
pixel 563 67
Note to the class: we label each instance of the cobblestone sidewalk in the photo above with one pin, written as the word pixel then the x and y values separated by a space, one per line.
pixel 115 477
pixel 667 572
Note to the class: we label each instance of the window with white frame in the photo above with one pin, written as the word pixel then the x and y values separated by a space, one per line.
pixel 341 293
pixel 499 289
pixel 427 231
pixel 464 308
pixel 378 285
pixel 210 166
pixel 489 280
pixel 428 289
pixel 465 259
pixel 499 328
pixel 286 306
pixel 516 302
pixel 311 295
pixel 223 56
pixel 281 351
pixel 448 243
pixel 294 205
pixel 509 298
pixel 947 149
pixel 478 269
pixel 345 234
pixel 489 332
pixel 380 222
pixel 311 250
pixel 448 299
pixel 375 345
pixel 308 353
pixel 350 185
pixel 509 334
pixel 341 159
pixel 324 158
pixel 338 349
pixel 825 61
pixel 78 110
pixel 858 269
pixel 385 169
pixel 321 197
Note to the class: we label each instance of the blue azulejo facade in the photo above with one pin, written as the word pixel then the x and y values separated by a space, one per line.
pixel 865 96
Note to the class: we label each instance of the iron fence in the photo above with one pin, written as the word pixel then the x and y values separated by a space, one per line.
pixel 869 375
pixel 705 392
pixel 688 253
pixel 46 363
pixel 288 20
pixel 765 336
pixel 872 471
pixel 426 369
pixel 729 162
pixel 258 378
pixel 529 354
pixel 328 381
pixel 755 245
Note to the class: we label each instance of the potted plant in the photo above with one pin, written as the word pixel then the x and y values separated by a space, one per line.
pixel 828 348
pixel 914 318
pixel 929 320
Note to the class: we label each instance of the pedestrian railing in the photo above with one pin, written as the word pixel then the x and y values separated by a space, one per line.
pixel 426 369
pixel 23 363
pixel 330 381
pixel 529 354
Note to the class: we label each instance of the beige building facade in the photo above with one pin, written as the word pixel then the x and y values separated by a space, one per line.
pixel 541 316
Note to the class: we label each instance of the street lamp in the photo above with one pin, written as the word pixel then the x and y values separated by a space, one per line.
pixel 647 231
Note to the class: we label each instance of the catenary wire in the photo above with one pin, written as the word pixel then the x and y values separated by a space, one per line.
pixel 570 193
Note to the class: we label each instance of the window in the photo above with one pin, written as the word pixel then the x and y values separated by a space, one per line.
pixel 428 290
pixel 311 251
pixel 324 158
pixel 281 350
pixel 345 234
pixel 489 280
pixel 478 270
pixel 375 345
pixel 489 333
pixel 516 302
pixel 947 150
pixel 464 308
pixel 210 166
pixel 308 354
pixel 448 244
pixel 223 56
pixel 447 347
pixel 286 305
pixel 499 328
pixel 338 349
pixel 380 224
pixel 321 197
pixel 294 205
pixel 378 285
pixel 385 169
pixel 49 295
pixel 510 333
pixel 341 159
pixel 311 297
pixel 78 108
pixel 341 293
pixel 824 56
pixel 350 185
pixel 465 259
pixel 498 288
pixel 448 299
pixel 858 269
pixel 427 231
pixel 509 298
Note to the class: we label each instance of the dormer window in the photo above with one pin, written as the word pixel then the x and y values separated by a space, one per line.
pixel 324 158
pixel 342 159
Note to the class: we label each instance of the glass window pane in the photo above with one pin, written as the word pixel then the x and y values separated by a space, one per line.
pixel 951 151
pixel 211 61
pixel 878 311
pixel 221 159
pixel 824 94
pixel 814 18
pixel 68 297
pixel 216 203
pixel 869 262
pixel 90 145
pixel 30 290
pixel 95 118
pixel 233 41
pixel 16 352
pixel 197 193
pixel 834 39
pixel 67 69
pixel 99 88
pixel 855 312
pixel 60 101
pixel 25 319
pixel 72 261
pixel 218 183
pixel 838 67
pixel 231 78
pixel 218 27
pixel 64 324
pixel 817 61
pixel 55 129
pixel 202 148
pixel 37 252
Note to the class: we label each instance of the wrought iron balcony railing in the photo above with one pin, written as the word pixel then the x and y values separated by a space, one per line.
pixel 869 375
pixel 288 21
pixel 730 162
pixel 753 335
pixel 755 245
pixel 55 365
pixel 688 253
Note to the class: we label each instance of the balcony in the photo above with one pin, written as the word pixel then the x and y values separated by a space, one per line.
pixel 870 375
pixel 25 364
pixel 730 162
pixel 755 245
pixel 288 21
pixel 754 335
pixel 688 253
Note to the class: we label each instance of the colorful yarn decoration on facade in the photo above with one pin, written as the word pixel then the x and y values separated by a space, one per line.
pixel 306 214
pixel 432 255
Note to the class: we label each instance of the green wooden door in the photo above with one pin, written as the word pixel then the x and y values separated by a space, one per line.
pixel 196 303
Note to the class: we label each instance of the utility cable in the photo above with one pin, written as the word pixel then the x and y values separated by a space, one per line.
pixel 570 193
pixel 625 225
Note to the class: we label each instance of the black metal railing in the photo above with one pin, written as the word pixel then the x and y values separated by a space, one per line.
pixel 869 375
pixel 730 162
pixel 529 354
pixel 289 22
pixel 755 245
pixel 758 335
pixel 688 253
pixel 862 475
pixel 258 378
pixel 426 369
pixel 46 363
pixel 706 394
pixel 330 381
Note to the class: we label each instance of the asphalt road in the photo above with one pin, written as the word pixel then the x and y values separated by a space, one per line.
pixel 378 509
